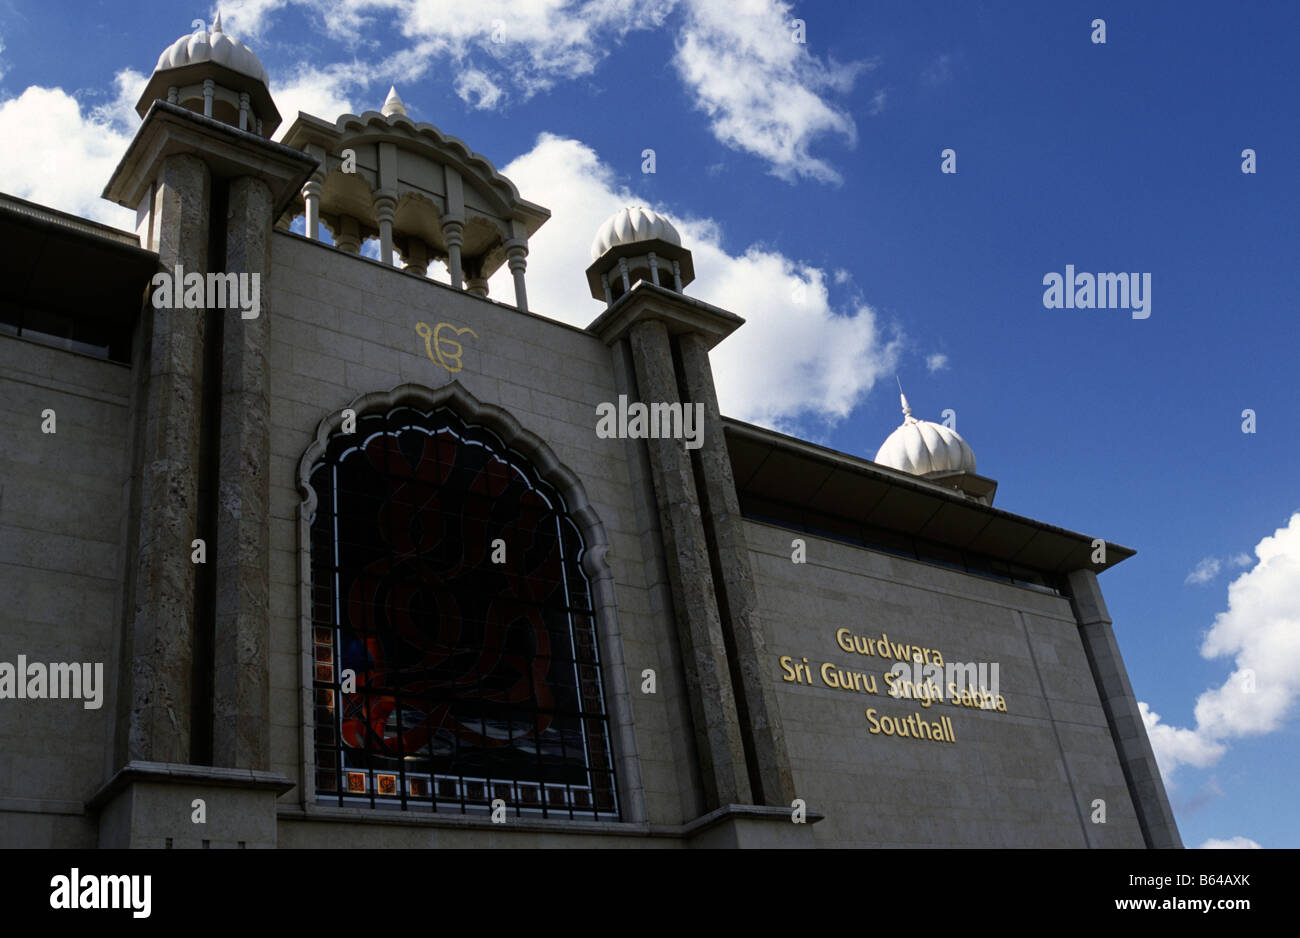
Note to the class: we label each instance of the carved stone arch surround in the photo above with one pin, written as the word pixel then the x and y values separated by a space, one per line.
pixel 595 563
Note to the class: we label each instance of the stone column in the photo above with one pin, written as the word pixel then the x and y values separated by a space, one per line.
pixel 416 256
pixel 385 209
pixel 243 110
pixel 1136 757
pixel 713 707
pixel 241 646
pixel 516 251
pixel 161 630
pixel 453 231
pixel 311 197
pixel 208 88
pixel 348 237
pixel 654 269
pixel 759 713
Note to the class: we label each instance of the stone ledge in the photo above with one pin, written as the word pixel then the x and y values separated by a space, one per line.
pixel 728 814
pixel 178 774
pixel 459 821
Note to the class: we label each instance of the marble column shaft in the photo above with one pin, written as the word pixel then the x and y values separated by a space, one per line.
pixel 162 633
pixel 736 596
pixel 241 647
pixel 713 705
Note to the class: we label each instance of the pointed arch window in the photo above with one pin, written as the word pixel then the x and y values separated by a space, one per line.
pixel 455 655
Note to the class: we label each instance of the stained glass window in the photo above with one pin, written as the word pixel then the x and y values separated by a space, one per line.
pixel 447 584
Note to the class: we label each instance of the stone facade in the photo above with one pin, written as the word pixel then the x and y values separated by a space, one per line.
pixel 209 429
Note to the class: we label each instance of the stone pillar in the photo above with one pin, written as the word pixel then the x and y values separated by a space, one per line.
pixel 713 707
pixel 477 286
pixel 241 646
pixel 516 251
pixel 348 237
pixel 1156 818
pixel 385 209
pixel 208 87
pixel 622 269
pixel 243 110
pixel 161 631
pixel 654 269
pixel 416 256
pixel 756 702
pixel 311 197
pixel 604 281
pixel 453 230
pixel 677 276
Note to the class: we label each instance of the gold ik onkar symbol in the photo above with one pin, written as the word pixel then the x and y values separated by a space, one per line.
pixel 442 349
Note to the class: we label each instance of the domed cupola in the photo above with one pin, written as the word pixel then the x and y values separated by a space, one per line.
pixel 924 448
pixel 936 453
pixel 636 244
pixel 215 75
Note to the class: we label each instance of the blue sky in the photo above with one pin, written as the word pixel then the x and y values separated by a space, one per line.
pixel 806 178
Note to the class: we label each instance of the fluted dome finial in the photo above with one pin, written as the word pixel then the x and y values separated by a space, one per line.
pixel 630 225
pixel 211 72
pixel 637 244
pixel 923 448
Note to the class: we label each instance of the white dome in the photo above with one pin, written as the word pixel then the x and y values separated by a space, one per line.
pixel 921 448
pixel 632 224
pixel 213 46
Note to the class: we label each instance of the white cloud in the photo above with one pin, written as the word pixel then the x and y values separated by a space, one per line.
pixel 762 90
pixel 936 362
pixel 764 93
pixel 477 90
pixel 1241 560
pixel 796 357
pixel 525 46
pixel 1205 571
pixel 1260 629
pixel 1232 843
pixel 324 92
pixel 56 155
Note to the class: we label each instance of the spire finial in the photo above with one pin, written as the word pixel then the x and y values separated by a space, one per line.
pixel 216 22
pixel 393 104
pixel 907 410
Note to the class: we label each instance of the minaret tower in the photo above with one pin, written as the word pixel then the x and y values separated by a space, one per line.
pixel 207 185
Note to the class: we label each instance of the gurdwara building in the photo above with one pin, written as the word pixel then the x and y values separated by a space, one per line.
pixel 301 547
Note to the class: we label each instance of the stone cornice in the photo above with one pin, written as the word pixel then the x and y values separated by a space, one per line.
pixel 680 314
pixel 229 152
